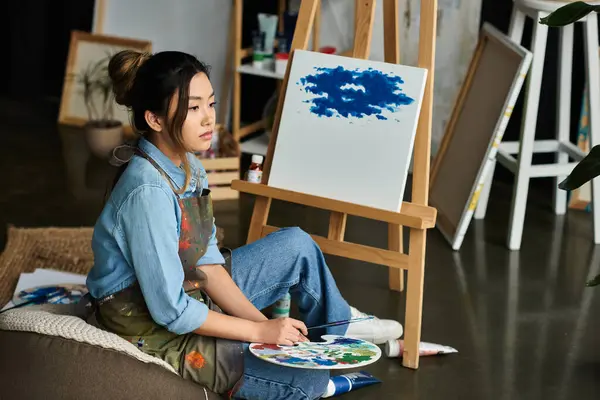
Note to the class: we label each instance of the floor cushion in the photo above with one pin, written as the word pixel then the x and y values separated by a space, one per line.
pixel 50 352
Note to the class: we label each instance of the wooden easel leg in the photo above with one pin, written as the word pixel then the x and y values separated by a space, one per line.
pixel 365 16
pixel 260 215
pixel 391 32
pixel 420 185
pixel 396 276
pixel 316 39
pixel 414 298
pixel 391 35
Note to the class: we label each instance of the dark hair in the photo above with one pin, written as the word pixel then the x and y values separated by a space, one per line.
pixel 144 82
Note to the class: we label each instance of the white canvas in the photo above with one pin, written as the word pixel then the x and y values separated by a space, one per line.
pixel 348 135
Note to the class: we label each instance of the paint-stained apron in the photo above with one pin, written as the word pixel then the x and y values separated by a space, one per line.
pixel 215 363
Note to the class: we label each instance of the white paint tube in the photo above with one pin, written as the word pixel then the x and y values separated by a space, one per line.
pixel 395 348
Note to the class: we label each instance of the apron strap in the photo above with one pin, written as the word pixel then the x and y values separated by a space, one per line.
pixel 143 154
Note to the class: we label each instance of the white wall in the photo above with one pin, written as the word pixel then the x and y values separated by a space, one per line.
pixel 198 27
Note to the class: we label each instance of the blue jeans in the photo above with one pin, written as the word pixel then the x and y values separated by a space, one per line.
pixel 288 261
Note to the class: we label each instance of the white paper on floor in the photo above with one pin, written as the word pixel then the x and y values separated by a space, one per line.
pixel 44 277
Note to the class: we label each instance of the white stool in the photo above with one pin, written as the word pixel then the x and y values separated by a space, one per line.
pixel 527 145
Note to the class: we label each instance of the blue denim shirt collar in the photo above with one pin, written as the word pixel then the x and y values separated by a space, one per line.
pixel 175 173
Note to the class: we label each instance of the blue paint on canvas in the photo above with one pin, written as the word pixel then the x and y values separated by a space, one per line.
pixel 354 93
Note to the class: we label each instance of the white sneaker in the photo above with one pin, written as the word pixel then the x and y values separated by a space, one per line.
pixel 374 330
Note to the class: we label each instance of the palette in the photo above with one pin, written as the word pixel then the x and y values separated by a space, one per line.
pixel 335 352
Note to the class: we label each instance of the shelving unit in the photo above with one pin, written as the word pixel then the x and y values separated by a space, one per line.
pixel 256 145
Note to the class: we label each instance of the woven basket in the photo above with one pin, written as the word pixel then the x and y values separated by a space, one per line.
pixel 62 249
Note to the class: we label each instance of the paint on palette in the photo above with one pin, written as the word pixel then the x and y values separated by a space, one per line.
pixel 336 352
pixel 347 93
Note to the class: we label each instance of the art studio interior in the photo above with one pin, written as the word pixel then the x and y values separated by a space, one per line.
pixel 300 199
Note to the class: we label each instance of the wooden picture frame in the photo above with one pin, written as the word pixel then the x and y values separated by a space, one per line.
pixel 481 113
pixel 85 48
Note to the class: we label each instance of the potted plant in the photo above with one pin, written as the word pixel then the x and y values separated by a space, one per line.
pixel 102 131
pixel 588 168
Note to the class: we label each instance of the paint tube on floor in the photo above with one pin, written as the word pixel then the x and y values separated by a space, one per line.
pixel 344 383
pixel 395 348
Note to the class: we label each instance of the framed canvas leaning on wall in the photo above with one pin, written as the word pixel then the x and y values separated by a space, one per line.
pixel 88 58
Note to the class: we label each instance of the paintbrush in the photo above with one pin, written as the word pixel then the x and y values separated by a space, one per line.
pixel 337 323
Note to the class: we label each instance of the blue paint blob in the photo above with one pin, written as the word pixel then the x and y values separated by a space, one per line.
pixel 321 361
pixel 345 341
pixel 344 93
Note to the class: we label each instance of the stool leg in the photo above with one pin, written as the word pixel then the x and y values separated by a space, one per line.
pixel 528 126
pixel 517 23
pixel 593 79
pixel 563 127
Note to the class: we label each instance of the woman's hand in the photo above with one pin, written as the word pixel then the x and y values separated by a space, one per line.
pixel 281 331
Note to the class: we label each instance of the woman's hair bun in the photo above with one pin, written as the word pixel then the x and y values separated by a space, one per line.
pixel 122 69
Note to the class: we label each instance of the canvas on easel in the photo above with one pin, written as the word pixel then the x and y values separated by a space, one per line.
pixel 478 122
pixel 347 129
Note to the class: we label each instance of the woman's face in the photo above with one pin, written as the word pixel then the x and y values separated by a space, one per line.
pixel 199 125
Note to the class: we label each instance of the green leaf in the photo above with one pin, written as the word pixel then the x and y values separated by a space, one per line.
pixel 593 282
pixel 585 171
pixel 568 14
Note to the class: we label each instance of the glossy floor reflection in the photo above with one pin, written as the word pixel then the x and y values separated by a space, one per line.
pixel 524 323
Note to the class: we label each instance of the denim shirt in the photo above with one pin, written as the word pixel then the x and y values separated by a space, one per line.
pixel 136 238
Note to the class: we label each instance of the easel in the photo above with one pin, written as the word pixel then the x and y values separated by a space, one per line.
pixel 416 215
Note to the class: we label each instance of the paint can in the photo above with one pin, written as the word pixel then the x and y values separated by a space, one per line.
pixel 281 308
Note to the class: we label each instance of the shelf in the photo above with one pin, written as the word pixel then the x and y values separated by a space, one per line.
pixel 251 70
pixel 257 145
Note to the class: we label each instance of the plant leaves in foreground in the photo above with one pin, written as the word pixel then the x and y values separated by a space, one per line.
pixel 593 282
pixel 568 14
pixel 585 171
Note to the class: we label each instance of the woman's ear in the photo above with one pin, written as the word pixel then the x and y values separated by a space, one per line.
pixel 153 121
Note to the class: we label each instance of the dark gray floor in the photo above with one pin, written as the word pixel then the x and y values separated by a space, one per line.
pixel 523 322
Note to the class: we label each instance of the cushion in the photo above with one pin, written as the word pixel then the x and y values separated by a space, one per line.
pixel 35 366
pixel 49 351
pixel 60 320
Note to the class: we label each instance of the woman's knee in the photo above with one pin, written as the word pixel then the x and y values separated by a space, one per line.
pixel 295 238
pixel 313 383
pixel 320 380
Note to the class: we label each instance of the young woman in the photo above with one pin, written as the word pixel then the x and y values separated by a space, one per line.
pixel 159 279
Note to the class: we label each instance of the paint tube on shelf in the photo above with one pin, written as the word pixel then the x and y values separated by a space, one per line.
pixel 267 24
pixel 258 54
pixel 344 383
pixel 395 348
